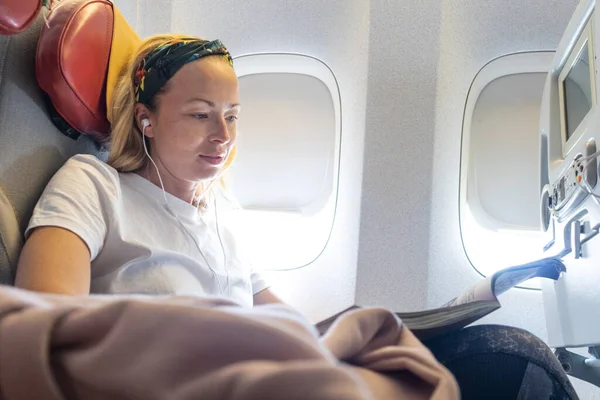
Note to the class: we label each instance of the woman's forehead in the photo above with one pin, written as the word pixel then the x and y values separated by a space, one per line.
pixel 209 76
pixel 206 71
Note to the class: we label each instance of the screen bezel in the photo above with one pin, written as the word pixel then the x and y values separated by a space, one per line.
pixel 585 38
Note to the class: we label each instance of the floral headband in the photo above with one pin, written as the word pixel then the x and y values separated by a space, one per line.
pixel 163 62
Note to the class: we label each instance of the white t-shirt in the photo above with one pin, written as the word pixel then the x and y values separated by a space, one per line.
pixel 136 243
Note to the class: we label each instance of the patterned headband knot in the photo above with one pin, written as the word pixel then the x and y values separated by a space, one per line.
pixel 165 60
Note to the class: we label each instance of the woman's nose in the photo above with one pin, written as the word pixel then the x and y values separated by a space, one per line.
pixel 220 132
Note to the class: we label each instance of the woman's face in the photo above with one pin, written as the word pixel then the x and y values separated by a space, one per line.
pixel 194 125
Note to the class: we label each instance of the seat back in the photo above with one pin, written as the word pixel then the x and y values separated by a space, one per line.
pixel 74 54
pixel 32 149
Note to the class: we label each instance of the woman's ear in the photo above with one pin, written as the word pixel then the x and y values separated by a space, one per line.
pixel 141 113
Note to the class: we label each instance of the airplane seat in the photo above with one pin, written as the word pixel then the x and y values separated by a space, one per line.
pixel 53 79
pixel 16 16
pixel 78 62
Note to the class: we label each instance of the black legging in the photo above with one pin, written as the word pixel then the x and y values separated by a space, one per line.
pixel 500 362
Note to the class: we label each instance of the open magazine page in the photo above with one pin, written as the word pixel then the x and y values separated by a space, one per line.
pixel 501 281
pixel 451 319
pixel 478 301
pixel 550 268
pixel 475 303
pixel 481 291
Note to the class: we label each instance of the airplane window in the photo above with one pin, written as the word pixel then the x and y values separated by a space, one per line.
pixel 500 221
pixel 286 141
pixel 286 171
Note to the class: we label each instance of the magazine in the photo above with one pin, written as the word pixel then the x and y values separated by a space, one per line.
pixel 475 303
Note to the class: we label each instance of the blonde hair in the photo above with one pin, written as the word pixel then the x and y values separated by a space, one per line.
pixel 126 141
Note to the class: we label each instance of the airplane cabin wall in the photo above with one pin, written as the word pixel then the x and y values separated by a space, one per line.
pixel 423 58
pixel 472 35
pixel 336 32
pixel 400 124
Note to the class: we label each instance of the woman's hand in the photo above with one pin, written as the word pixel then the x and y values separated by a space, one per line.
pixel 266 296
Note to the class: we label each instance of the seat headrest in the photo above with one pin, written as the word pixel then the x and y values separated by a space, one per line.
pixel 17 15
pixel 81 54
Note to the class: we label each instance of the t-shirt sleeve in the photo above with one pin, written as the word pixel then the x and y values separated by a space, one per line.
pixel 228 213
pixel 259 283
pixel 80 198
pixel 257 280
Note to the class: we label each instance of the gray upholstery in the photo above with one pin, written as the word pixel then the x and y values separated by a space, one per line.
pixel 10 238
pixel 31 148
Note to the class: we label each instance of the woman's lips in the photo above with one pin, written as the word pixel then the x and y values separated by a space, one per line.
pixel 213 159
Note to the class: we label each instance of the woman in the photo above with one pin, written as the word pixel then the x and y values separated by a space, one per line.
pixel 147 222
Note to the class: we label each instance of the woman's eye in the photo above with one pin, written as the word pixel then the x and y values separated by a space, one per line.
pixel 231 118
pixel 200 116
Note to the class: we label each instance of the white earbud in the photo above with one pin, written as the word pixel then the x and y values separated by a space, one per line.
pixel 145 123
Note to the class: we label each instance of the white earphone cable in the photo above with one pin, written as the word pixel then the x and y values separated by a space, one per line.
pixel 168 207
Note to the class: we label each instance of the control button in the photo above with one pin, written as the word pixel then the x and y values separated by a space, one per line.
pixel 579 178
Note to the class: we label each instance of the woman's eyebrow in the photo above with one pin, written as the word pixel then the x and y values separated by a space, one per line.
pixel 210 103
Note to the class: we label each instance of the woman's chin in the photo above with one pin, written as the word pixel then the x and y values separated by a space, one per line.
pixel 205 174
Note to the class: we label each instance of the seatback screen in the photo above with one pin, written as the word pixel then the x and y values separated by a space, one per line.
pixel 577 92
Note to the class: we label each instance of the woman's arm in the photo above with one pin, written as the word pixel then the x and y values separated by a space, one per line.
pixel 54 260
pixel 266 296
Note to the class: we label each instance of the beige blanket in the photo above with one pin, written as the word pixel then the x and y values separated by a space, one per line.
pixel 58 347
